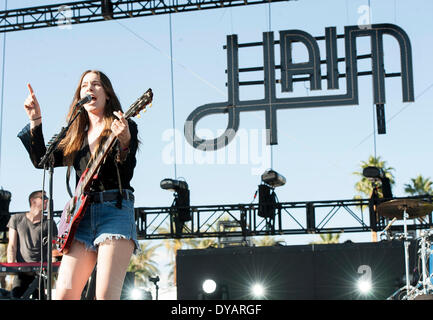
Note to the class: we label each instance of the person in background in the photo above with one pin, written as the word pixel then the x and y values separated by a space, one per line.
pixel 26 241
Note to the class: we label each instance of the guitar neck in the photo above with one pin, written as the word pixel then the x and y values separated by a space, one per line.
pixel 133 110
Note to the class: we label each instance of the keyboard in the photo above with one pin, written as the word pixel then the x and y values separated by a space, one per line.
pixel 15 267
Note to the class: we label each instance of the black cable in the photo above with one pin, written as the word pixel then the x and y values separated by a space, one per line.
pixel 41 267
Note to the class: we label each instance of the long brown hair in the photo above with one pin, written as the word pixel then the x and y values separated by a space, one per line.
pixel 77 132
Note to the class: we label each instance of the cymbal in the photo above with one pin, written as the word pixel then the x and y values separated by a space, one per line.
pixel 395 208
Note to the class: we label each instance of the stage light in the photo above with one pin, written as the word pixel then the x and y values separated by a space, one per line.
pixel 364 286
pixel 173 185
pixel 139 294
pixel 267 197
pixel 372 172
pixel 273 178
pixel 375 173
pixel 180 208
pixel 258 290
pixel 136 294
pixel 209 286
pixel 210 290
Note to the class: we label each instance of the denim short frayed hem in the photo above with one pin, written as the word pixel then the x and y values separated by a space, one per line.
pixel 105 221
pixel 107 237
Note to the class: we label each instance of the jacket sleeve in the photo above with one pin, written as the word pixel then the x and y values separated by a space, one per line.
pixel 33 141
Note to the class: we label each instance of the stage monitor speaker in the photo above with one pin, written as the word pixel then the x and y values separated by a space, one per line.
pixel 5 199
pixel 307 272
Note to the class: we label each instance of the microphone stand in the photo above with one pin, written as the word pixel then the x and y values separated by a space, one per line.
pixel 48 161
pixel 155 282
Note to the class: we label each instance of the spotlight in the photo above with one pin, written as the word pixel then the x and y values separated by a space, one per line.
pixel 173 185
pixel 364 286
pixel 210 290
pixel 258 290
pixel 209 286
pixel 372 172
pixel 136 294
pixel 139 294
pixel 273 178
pixel 180 208
pixel 267 198
pixel 378 174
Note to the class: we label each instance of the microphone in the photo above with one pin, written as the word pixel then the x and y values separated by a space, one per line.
pixel 77 108
pixel 154 279
pixel 86 99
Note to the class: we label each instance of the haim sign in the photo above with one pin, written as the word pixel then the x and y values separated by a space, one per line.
pixel 290 72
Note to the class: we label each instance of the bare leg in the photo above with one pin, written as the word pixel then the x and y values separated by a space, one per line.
pixel 113 260
pixel 74 271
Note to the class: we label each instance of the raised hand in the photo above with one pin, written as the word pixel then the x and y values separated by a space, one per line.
pixel 31 105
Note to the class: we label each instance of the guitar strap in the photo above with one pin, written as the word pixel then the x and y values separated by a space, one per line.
pixel 120 194
pixel 68 175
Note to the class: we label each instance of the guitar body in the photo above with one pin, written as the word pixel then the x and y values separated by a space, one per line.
pixel 71 217
pixel 76 207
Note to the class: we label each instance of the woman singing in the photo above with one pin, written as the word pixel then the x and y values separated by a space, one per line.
pixel 106 236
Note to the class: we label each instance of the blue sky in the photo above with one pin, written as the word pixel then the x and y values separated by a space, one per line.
pixel 318 149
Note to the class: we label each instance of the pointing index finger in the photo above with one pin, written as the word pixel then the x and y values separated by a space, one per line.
pixel 30 89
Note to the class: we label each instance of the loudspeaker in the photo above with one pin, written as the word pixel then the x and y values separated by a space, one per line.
pixel 5 199
pixel 267 202
pixel 307 272
pixel 182 205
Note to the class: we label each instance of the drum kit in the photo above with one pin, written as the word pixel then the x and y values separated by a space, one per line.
pixel 404 209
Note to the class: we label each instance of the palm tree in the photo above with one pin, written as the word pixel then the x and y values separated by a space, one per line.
pixel 327 238
pixel 364 186
pixel 172 246
pixel 265 241
pixel 206 243
pixel 143 264
pixel 419 186
pixel 3 256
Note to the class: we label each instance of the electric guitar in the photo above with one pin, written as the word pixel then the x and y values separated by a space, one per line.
pixel 76 207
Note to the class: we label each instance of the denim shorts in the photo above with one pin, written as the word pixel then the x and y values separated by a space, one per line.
pixel 104 220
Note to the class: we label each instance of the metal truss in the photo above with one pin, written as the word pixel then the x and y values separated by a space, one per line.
pixel 60 15
pixel 242 221
pixel 291 218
